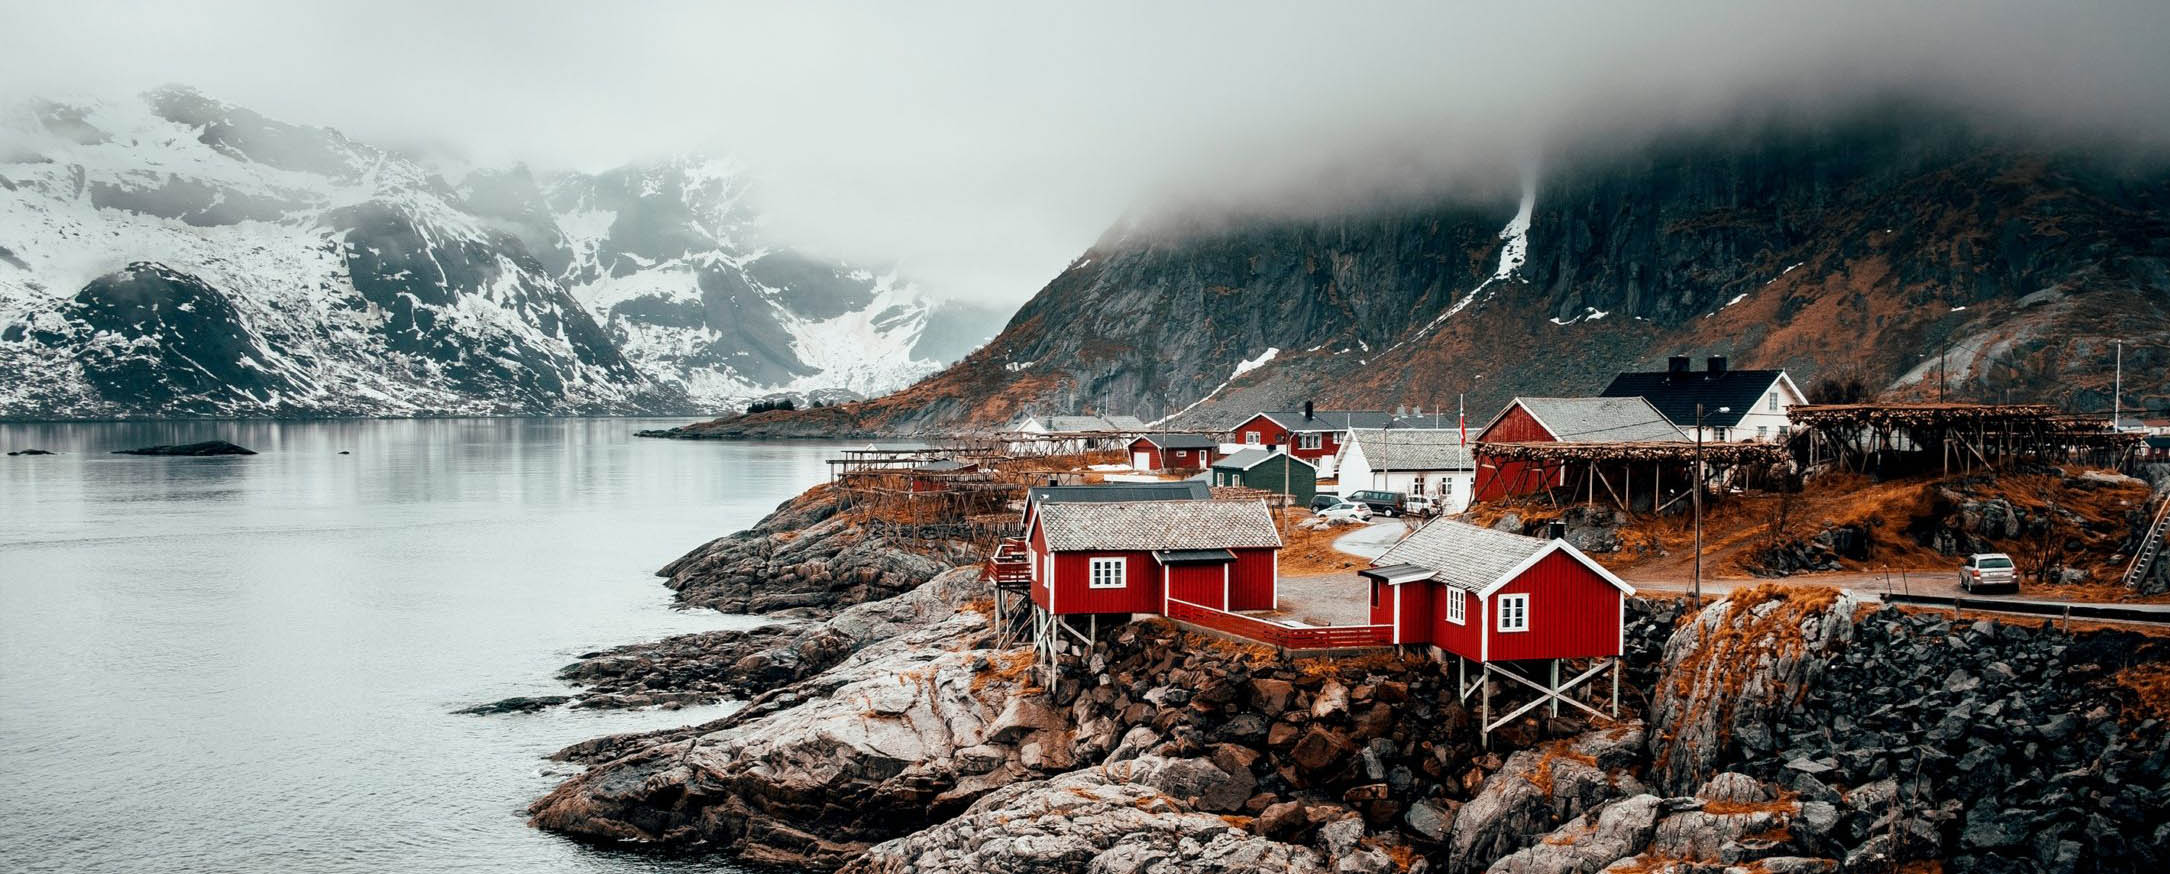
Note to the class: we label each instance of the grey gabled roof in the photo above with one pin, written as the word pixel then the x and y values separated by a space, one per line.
pixel 1124 423
pixel 1412 449
pixel 1250 458
pixel 1599 420
pixel 1084 424
pixel 1180 490
pixel 1180 441
pixel 1478 559
pixel 1158 525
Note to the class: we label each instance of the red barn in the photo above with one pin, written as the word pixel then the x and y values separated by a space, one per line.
pixel 1132 557
pixel 1154 453
pixel 1491 596
pixel 1561 420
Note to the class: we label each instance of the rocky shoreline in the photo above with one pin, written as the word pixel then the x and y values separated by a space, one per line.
pixel 1788 729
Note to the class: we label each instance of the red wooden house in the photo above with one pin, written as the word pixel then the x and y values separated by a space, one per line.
pixel 1561 420
pixel 1491 596
pixel 1128 558
pixel 1154 453
pixel 1311 434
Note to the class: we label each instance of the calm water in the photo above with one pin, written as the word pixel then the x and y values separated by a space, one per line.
pixel 246 664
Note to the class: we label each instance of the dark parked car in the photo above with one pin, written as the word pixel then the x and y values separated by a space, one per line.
pixel 1383 503
pixel 1323 500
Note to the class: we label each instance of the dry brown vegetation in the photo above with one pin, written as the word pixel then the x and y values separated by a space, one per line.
pixel 1307 551
pixel 1010 668
pixel 1541 775
pixel 2150 686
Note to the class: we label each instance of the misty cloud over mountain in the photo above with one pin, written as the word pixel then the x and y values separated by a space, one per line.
pixel 983 146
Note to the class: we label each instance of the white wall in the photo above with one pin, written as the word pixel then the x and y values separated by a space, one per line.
pixel 1773 423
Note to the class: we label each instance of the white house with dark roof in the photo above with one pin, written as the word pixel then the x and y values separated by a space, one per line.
pixel 1433 463
pixel 1738 405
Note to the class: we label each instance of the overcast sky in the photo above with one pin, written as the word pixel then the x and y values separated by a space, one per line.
pixel 986 144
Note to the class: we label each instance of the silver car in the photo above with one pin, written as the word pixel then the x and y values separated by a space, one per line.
pixel 1988 573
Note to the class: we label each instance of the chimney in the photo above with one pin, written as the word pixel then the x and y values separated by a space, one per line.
pixel 1052 481
pixel 1716 363
pixel 1555 530
pixel 1676 365
pixel 1307 411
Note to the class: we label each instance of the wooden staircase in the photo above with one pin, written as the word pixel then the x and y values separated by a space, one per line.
pixel 2143 559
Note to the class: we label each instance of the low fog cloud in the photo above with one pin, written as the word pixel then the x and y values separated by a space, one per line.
pixel 986 144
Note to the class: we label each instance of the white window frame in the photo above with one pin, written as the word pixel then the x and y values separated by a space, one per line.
pixel 1773 407
pixel 1047 568
pixel 1416 484
pixel 1308 441
pixel 1763 432
pixel 1457 606
pixel 1250 438
pixel 1117 580
pixel 1520 613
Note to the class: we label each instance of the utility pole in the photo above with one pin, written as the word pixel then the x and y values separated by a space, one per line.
pixel 2117 389
pixel 1698 500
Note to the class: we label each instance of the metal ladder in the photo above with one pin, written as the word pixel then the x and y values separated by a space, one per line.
pixel 2144 558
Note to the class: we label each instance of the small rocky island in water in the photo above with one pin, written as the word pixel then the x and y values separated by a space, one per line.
pixel 204 448
pixel 1786 728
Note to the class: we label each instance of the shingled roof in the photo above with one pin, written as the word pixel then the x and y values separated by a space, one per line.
pixel 1412 449
pixel 1598 420
pixel 1734 392
pixel 1158 525
pixel 1478 559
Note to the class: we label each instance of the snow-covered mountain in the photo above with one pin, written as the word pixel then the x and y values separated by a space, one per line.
pixel 177 256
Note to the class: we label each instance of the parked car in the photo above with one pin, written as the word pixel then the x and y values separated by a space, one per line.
pixel 1420 505
pixel 1988 573
pixel 1323 500
pixel 1382 503
pixel 1348 511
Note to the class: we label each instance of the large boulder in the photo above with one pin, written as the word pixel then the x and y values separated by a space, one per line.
pixel 1735 673
pixel 1126 819
pixel 1589 842
pixel 807 558
pixel 902 734
pixel 712 665
pixel 1537 790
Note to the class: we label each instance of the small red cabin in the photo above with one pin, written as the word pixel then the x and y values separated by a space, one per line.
pixel 1492 596
pixel 1133 557
pixel 1154 453
pixel 1560 420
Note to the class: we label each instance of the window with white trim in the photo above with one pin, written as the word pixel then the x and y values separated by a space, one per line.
pixel 1457 606
pixel 1446 487
pixel 1763 432
pixel 1250 438
pixel 1416 485
pixel 1107 573
pixel 1307 441
pixel 1514 612
pixel 1047 569
pixel 1774 402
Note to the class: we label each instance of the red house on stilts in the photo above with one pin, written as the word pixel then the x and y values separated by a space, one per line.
pixel 1505 602
pixel 1120 559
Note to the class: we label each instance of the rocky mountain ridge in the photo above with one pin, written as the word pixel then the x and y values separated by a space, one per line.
pixel 1897 249
pixel 179 256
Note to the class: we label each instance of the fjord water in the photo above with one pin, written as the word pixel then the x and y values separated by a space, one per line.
pixel 249 663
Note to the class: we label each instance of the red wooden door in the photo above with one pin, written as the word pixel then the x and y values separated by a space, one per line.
pixel 1201 584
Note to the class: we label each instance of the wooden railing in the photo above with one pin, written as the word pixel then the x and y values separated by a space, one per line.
pixel 1276 634
pixel 1010 567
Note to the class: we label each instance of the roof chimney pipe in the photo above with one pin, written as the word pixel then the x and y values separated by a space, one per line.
pixel 1716 363
pixel 1555 530
pixel 1676 365
pixel 1307 411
